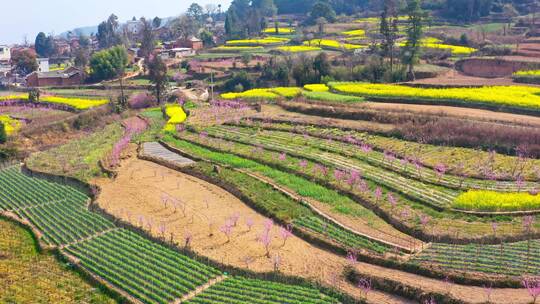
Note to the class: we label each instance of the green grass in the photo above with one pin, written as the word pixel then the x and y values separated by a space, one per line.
pixel 157 121
pixel 34 277
pixel 78 158
pixel 332 97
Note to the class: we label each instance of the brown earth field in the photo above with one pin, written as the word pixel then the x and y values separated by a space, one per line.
pixel 138 191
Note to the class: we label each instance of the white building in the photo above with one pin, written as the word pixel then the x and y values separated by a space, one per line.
pixel 43 65
pixel 5 53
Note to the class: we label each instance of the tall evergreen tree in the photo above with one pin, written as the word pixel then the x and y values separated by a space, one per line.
pixel 389 30
pixel 411 50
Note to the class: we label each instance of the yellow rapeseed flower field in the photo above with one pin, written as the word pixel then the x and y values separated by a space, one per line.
pixel 268 93
pixel 261 41
pixel 77 103
pixel 333 44
pixel 434 43
pixel 478 200
pixel 530 73
pixel 317 87
pixel 357 33
pixel 512 96
pixel 281 30
pixel 251 94
pixel 298 48
pixel 176 116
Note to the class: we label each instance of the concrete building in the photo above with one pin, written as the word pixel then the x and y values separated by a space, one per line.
pixel 5 53
pixel 43 65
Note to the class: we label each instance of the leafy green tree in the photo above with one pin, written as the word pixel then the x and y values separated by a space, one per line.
pixel 107 34
pixel 411 50
pixel 3 133
pixel 156 22
pixel 321 65
pixel 207 38
pixel 242 78
pixel 108 63
pixel 196 12
pixel 157 73
pixel 322 9
pixel 389 31
pixel 267 7
pixel 244 19
pixel 41 45
pixel 44 45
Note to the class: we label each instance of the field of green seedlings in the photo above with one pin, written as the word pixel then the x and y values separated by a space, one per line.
pixel 240 290
pixel 36 192
pixel 514 259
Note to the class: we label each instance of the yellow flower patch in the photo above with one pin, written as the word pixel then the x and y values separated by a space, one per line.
pixel 513 96
pixel 317 87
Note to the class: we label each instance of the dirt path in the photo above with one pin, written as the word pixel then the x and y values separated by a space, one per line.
pixel 137 194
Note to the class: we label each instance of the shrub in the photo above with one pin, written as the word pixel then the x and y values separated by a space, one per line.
pixel 3 133
pixel 141 100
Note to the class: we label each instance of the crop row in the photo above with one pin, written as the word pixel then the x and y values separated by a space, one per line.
pixel 430 194
pixel 64 222
pixel 240 290
pixel 20 190
pixel 460 162
pixel 510 259
pixel 338 234
pixel 150 272
pixel 392 163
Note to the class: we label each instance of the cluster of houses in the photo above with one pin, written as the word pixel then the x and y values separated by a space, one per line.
pixel 66 46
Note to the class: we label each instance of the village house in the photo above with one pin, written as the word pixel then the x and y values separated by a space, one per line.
pixel 192 43
pixel 68 77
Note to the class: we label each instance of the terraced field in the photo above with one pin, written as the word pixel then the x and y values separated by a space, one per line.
pixel 36 192
pixel 240 290
pixel 514 259
pixel 138 268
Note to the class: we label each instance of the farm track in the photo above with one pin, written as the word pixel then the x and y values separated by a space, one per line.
pixel 466 294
